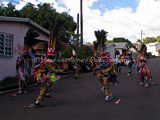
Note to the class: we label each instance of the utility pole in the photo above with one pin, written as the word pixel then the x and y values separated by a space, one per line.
pixel 78 30
pixel 81 15
pixel 142 35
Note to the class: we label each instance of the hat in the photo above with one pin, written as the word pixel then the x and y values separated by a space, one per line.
pixel 51 52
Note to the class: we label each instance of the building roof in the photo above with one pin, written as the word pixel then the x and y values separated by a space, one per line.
pixel 152 44
pixel 24 20
pixel 109 45
pixel 122 45
pixel 89 45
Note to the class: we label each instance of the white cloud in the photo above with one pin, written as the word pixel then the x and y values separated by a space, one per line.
pixel 119 22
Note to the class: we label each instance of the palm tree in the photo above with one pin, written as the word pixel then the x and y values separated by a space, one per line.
pixel 101 38
pixel 29 39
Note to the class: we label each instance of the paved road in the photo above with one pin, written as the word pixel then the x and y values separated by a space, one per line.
pixel 82 99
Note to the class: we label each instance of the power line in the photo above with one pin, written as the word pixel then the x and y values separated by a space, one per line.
pixel 95 27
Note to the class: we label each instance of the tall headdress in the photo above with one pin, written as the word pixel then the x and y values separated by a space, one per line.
pixel 51 52
pixel 74 52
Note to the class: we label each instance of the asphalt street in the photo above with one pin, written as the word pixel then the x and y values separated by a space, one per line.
pixel 82 99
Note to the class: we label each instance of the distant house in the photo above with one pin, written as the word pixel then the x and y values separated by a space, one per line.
pixel 122 47
pixel 110 48
pixel 12 33
pixel 154 48
pixel 89 48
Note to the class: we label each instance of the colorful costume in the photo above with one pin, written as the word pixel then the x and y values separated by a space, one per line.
pixel 144 75
pixel 22 74
pixel 137 65
pixel 47 78
pixel 94 62
pixel 75 65
pixel 106 74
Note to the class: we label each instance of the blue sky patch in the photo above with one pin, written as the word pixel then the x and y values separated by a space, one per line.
pixel 113 4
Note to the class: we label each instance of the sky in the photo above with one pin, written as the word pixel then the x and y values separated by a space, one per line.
pixel 120 18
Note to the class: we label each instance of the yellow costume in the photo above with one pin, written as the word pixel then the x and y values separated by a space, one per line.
pixel 46 77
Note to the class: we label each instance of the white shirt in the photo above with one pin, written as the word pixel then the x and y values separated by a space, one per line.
pixel 117 59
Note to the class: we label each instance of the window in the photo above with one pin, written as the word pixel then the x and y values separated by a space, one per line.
pixel 6 44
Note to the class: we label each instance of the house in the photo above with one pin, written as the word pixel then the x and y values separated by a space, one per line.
pixel 12 33
pixel 122 47
pixel 110 48
pixel 89 48
pixel 154 48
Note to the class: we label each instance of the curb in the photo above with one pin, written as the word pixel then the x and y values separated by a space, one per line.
pixel 12 90
pixel 16 89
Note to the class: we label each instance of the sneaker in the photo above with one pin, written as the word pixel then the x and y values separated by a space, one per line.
pixel 146 85
pixel 36 105
pixel 108 98
pixel 141 83
pixel 128 74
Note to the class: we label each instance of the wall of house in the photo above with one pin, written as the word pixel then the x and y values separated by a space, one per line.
pixel 111 50
pixel 152 49
pixel 158 47
pixel 8 64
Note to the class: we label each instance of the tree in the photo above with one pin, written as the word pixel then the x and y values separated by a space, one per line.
pixel 121 39
pixel 109 41
pixel 29 39
pixel 10 10
pixel 66 53
pixel 101 37
pixel 45 15
pixel 2 9
pixel 29 11
pixel 66 26
pixel 158 38
pixel 150 39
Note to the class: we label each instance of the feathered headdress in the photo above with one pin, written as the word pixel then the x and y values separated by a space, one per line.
pixel 74 52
